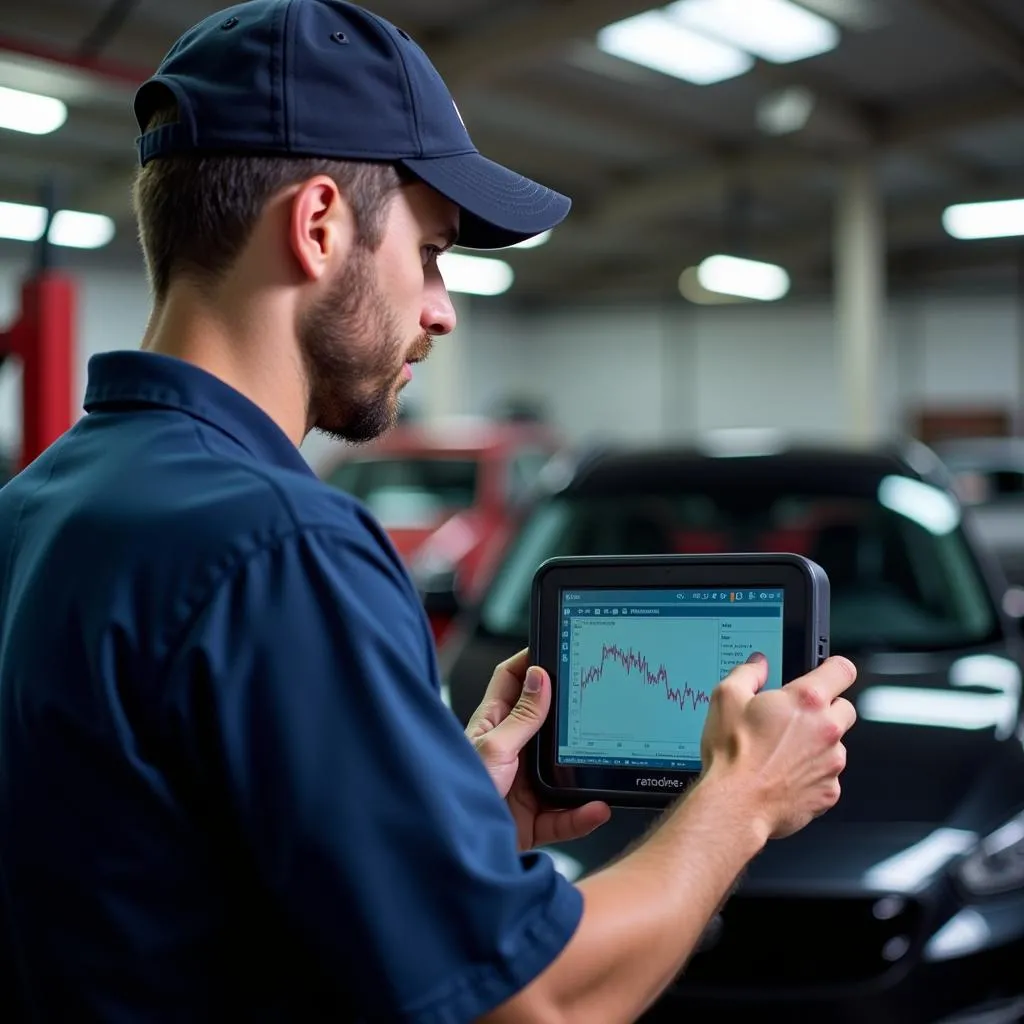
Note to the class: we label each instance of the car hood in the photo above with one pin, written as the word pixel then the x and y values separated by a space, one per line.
pixel 934 760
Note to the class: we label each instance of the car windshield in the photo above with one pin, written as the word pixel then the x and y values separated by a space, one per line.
pixel 409 493
pixel 902 574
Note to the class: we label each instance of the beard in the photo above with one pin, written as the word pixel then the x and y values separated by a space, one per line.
pixel 354 351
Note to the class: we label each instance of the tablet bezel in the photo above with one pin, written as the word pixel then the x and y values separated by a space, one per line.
pixel 805 643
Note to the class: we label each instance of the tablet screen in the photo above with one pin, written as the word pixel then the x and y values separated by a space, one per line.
pixel 636 669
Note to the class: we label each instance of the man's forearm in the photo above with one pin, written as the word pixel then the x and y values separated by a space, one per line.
pixel 644 915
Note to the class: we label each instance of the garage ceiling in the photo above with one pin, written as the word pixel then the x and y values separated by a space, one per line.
pixel 663 172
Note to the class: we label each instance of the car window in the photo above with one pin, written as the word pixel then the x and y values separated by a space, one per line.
pixel 986 485
pixel 409 492
pixel 902 574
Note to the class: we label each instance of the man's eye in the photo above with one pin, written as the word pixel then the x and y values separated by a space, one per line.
pixel 430 254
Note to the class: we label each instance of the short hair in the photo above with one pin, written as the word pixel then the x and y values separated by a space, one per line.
pixel 196 212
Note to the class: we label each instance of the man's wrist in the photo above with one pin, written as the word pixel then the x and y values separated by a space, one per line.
pixel 733 796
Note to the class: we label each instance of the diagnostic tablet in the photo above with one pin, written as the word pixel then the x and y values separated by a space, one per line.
pixel 635 646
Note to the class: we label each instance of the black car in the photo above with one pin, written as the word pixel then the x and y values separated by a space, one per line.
pixel 905 903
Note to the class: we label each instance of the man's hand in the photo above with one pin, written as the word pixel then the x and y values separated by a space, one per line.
pixel 783 747
pixel 514 707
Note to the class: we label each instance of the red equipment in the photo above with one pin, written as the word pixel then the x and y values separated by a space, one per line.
pixel 43 338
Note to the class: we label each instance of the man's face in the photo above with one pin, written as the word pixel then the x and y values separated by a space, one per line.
pixel 378 318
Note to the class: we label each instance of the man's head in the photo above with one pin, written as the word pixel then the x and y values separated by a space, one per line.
pixel 308 149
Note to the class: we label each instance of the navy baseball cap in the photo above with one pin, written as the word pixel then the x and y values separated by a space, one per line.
pixel 329 79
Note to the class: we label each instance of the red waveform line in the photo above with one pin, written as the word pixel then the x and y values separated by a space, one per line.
pixel 635 661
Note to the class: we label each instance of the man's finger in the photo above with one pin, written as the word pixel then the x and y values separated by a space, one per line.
pixel 562 826
pixel 830 679
pixel 748 678
pixel 844 713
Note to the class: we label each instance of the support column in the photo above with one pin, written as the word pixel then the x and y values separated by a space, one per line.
pixel 860 302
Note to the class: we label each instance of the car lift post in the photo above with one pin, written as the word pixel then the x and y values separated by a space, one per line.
pixel 43 339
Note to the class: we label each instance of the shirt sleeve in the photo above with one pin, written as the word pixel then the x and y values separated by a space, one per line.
pixel 306 689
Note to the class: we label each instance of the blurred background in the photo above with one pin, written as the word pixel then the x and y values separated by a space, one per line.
pixel 786 312
pixel 865 157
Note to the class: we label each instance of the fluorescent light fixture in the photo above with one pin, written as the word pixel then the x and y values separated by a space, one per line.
pixel 533 243
pixel 656 40
pixel 21 223
pixel 748 279
pixel 69 228
pixel 774 30
pixel 930 508
pixel 30 113
pixel 77 230
pixel 1000 219
pixel 475 275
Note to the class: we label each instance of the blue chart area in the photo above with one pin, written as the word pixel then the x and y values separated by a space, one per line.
pixel 641 687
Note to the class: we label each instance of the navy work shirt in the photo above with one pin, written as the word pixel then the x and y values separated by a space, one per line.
pixel 229 787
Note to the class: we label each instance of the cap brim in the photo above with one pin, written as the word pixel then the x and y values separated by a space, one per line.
pixel 498 207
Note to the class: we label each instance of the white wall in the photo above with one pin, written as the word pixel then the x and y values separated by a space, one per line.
pixel 644 373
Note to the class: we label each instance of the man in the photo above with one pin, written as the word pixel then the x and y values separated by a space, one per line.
pixel 229 788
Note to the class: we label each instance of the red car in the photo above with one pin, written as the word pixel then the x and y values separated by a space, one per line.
pixel 447 493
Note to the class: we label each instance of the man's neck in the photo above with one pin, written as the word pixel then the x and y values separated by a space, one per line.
pixel 240 350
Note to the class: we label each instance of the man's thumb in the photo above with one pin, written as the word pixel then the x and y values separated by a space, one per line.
pixel 529 711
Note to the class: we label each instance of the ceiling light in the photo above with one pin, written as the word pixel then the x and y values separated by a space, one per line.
pixel 81 230
pixel 30 113
pixel 532 243
pixel 21 223
pixel 1002 219
pixel 475 275
pixel 655 40
pixel 748 279
pixel 69 228
pixel 774 30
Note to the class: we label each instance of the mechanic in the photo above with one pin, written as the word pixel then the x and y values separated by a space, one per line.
pixel 229 786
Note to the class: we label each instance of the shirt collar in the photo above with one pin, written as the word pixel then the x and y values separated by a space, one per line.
pixel 161 381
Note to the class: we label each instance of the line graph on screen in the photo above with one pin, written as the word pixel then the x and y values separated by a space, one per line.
pixel 643 680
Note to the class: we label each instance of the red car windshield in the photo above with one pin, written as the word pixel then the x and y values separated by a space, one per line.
pixel 409 493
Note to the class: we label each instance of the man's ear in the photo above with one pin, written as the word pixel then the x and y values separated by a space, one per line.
pixel 321 228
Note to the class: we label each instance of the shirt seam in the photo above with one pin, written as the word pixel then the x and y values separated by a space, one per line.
pixel 268 476
pixel 176 632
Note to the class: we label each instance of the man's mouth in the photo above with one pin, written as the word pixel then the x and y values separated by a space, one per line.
pixel 420 351
pixel 417 355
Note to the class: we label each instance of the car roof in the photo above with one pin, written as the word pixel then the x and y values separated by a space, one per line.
pixel 611 468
